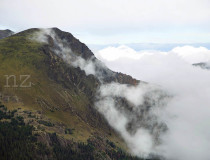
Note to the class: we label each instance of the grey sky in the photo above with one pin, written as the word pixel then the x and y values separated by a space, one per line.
pixel 113 21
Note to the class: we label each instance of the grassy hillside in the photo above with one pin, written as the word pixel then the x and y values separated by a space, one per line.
pixel 49 93
pixel 20 140
pixel 56 98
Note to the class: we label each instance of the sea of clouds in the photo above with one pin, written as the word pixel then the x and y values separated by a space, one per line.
pixel 187 114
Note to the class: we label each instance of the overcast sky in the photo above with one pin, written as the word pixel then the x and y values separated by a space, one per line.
pixel 114 21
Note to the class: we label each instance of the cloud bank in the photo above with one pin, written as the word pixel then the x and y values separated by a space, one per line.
pixel 187 114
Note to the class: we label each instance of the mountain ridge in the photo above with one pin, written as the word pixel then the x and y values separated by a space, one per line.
pixel 61 92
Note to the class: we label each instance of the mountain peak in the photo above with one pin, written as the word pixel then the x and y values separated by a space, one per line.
pixel 5 33
pixel 65 84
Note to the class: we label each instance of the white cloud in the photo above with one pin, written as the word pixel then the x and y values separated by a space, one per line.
pixel 112 53
pixel 150 61
pixel 187 114
pixel 192 54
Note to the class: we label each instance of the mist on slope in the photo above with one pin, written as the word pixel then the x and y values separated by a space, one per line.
pixel 65 52
pixel 139 125
pixel 90 65
pixel 187 114
pixel 170 118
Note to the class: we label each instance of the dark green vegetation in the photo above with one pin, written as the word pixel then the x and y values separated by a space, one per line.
pixel 16 138
pixel 19 141
pixel 49 124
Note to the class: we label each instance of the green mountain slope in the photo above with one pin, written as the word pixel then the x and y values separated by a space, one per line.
pixel 50 94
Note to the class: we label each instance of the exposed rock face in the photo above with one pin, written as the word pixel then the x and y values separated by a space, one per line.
pixel 82 50
pixel 75 45
pixel 76 75
pixel 5 33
